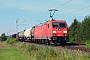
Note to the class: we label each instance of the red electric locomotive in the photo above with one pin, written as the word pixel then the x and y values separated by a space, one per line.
pixel 53 31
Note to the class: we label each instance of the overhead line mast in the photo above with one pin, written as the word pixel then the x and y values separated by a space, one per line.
pixel 17 27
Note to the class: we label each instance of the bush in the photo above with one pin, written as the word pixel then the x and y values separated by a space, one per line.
pixel 88 45
pixel 48 53
pixel 10 41
pixel 3 37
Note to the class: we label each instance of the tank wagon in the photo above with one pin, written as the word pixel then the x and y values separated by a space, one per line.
pixel 21 35
pixel 27 34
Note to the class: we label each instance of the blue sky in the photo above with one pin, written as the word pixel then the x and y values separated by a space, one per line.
pixel 34 10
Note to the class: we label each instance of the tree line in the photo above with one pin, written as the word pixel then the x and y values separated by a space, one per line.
pixel 79 32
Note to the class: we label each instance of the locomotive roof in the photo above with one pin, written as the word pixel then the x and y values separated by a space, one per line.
pixel 49 21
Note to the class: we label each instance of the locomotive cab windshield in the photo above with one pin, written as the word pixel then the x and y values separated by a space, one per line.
pixel 58 25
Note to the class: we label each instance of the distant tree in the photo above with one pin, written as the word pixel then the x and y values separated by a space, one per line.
pixel 3 37
pixel 86 28
pixel 80 32
pixel 73 31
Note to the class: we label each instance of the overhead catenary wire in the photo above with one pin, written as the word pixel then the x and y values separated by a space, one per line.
pixel 22 22
pixel 42 16
pixel 66 13
pixel 55 8
pixel 76 10
pixel 63 4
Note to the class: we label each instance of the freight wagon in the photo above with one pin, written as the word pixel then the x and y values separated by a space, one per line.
pixel 27 34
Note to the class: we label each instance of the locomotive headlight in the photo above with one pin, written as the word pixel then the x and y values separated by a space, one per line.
pixel 65 31
pixel 54 31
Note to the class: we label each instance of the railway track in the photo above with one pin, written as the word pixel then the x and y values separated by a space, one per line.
pixel 73 46
pixel 69 46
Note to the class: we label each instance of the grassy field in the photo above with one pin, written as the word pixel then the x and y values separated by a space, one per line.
pixel 11 52
pixel 22 51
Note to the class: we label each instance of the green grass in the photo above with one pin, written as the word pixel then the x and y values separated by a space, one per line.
pixel 88 44
pixel 11 54
pixel 23 51
pixel 48 53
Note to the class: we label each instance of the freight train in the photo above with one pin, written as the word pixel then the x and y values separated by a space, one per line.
pixel 50 32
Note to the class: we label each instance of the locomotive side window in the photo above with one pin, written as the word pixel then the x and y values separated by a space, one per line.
pixel 59 25
pixel 48 25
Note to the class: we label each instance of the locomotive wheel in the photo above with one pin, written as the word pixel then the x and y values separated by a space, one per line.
pixel 34 40
pixel 42 41
pixel 47 42
pixel 55 42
